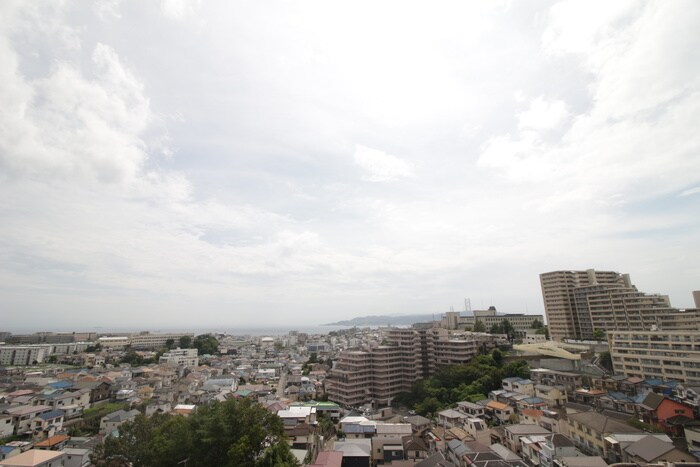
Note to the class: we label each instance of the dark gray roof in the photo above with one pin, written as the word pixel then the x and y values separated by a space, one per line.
pixel 649 448
pixel 652 401
pixel 436 460
pixel 602 424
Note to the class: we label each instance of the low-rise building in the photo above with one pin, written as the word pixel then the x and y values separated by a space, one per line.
pixel 35 458
pixel 589 429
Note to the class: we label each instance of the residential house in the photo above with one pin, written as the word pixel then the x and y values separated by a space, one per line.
pixel 590 396
pixel 531 403
pixel 35 458
pixel 530 416
pixel 662 412
pixel 589 429
pixel 524 386
pixel 112 421
pixel 414 448
pixel 7 428
pixel 471 409
pixel 328 459
pixel 76 457
pixel 48 423
pixel 300 436
pixel 554 396
pixel 356 452
pixel 386 450
pixel 688 394
pixel 295 415
pixel 569 380
pixel 53 443
pixel 619 402
pixel 357 427
pixel 450 417
pixel 9 451
pixel 23 415
pixel 513 433
pixel 652 450
pixel 555 447
pixel 477 429
pixel 692 438
pixel 419 424
pixel 99 390
pixel 499 412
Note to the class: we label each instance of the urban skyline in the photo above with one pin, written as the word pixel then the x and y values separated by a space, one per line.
pixel 214 163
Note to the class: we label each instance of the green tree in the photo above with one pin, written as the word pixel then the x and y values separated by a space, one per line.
pixel 479 326
pixel 537 324
pixel 206 344
pixel 169 343
pixel 497 356
pixel 185 342
pixel 237 432
pixel 599 334
pixel 508 329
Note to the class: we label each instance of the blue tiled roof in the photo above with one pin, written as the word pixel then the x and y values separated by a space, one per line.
pixel 50 415
pixel 619 396
pixel 61 384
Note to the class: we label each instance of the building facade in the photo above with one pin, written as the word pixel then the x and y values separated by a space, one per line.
pixel 490 317
pixel 580 304
pixel 379 374
pixel 671 355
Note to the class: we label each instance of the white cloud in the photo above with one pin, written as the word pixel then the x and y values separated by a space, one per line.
pixel 380 166
pixel 543 115
pixel 179 10
pixel 253 211
pixel 690 191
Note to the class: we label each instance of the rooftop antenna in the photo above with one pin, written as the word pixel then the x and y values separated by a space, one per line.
pixel 452 308
pixel 467 304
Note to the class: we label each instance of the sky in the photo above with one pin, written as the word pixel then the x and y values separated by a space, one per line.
pixel 220 163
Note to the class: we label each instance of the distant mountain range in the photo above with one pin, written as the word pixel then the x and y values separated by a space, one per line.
pixel 384 320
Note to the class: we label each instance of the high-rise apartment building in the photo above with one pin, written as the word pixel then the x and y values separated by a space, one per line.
pixel 578 303
pixel 378 374
pixel 558 289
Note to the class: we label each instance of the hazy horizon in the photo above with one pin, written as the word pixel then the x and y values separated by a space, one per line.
pixel 253 163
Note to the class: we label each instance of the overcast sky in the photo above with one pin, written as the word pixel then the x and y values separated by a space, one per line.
pixel 269 163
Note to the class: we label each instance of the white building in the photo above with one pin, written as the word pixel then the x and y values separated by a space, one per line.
pixel 180 357
pixel 23 354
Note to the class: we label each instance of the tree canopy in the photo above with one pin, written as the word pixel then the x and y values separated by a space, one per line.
pixel 452 384
pixel 206 344
pixel 237 432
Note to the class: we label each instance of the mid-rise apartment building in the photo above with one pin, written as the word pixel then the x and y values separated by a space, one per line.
pixel 671 355
pixel 19 355
pixel 180 357
pixel 146 340
pixel 579 303
pixel 519 321
pixel 379 374
pixel 143 340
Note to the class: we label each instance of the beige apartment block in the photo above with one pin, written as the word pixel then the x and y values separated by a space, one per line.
pixel 558 289
pixel 657 354
pixel 580 303
pixel 379 374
